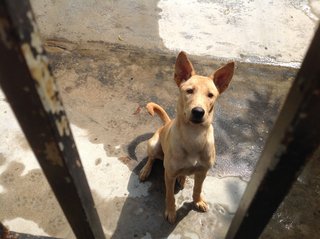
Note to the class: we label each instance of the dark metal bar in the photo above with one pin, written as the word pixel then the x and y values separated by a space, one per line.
pixel 30 88
pixel 291 144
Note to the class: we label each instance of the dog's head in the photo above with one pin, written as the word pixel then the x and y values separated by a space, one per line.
pixel 199 93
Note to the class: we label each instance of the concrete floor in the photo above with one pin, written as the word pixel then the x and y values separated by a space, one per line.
pixel 108 66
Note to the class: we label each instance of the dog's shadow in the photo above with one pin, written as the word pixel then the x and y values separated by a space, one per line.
pixel 144 215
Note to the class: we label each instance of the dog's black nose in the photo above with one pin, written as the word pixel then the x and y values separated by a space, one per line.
pixel 197 113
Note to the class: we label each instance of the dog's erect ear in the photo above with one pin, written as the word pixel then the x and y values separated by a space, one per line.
pixel 183 69
pixel 223 76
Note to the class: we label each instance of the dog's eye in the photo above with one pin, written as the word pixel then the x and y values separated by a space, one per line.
pixel 190 91
pixel 210 95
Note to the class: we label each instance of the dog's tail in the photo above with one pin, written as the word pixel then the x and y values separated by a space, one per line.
pixel 153 107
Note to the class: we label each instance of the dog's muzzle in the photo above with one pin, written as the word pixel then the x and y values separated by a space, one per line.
pixel 197 114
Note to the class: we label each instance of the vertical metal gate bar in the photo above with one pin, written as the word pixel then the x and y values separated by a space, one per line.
pixel 291 144
pixel 30 88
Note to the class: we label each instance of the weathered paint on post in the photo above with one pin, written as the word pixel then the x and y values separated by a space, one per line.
pixel 38 64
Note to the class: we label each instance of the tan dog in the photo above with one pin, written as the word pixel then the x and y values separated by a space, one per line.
pixel 186 143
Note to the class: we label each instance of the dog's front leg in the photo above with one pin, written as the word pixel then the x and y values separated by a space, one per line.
pixel 170 212
pixel 197 189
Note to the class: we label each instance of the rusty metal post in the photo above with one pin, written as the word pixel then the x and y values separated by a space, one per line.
pixel 291 144
pixel 30 88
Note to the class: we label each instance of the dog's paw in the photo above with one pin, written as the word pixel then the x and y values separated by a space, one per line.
pixel 182 181
pixel 171 216
pixel 201 205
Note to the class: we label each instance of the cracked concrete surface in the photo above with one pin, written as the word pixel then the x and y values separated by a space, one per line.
pixel 112 57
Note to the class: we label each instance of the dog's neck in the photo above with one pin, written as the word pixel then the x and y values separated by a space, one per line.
pixel 193 137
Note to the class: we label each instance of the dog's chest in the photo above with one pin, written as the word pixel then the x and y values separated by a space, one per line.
pixel 193 161
pixel 191 150
pixel 191 164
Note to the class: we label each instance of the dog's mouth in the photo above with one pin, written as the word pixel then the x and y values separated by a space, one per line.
pixel 197 121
